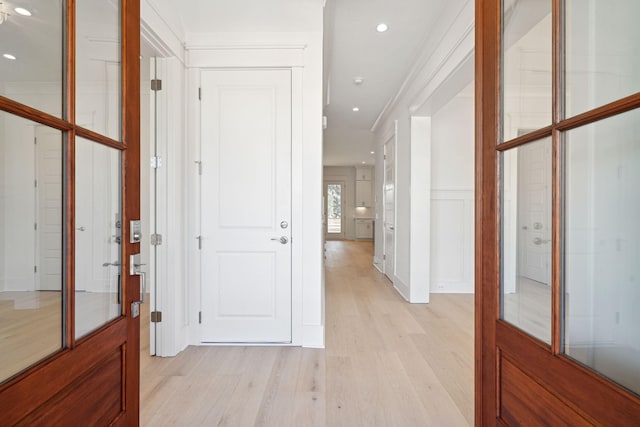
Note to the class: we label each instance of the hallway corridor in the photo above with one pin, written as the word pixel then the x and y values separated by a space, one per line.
pixel 386 363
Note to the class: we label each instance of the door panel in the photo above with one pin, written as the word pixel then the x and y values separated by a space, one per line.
pixel 246 206
pixel 92 380
pixel 524 377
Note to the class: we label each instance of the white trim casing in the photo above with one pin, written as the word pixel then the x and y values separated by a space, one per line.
pixel 302 54
pixel 420 243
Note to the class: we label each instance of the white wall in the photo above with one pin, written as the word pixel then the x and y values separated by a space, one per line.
pixel 301 51
pixel 441 71
pixel 18 203
pixel 452 195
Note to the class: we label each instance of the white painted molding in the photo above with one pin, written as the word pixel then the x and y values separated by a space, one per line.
pixel 159 34
pixel 435 54
pixel 420 223
pixel 402 288
pixel 313 336
pixel 245 57
pixel 453 60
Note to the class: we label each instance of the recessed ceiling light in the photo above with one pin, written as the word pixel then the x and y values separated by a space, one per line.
pixel 358 80
pixel 382 27
pixel 364 163
pixel 9 56
pixel 356 109
pixel 22 11
pixel 373 152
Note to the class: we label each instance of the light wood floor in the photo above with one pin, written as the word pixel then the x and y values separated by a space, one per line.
pixel 386 363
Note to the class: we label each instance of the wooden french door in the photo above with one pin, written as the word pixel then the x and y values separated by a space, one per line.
pixel 69 117
pixel 563 77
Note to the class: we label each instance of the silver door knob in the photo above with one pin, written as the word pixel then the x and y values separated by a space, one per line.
pixel 282 240
pixel 284 224
pixel 539 241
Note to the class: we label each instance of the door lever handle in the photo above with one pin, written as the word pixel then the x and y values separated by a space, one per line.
pixel 282 239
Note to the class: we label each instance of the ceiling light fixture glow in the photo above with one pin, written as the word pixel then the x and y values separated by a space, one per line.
pixel 356 109
pixel 364 163
pixel 382 27
pixel 358 80
pixel 9 56
pixel 22 11
pixel 373 152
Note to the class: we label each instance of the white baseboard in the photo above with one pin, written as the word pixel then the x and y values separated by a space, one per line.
pixel 402 288
pixel 313 336
pixel 378 265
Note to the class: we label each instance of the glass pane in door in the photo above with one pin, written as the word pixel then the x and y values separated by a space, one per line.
pixel 98 235
pixel 98 66
pixel 334 209
pixel 31 253
pixel 602 247
pixel 602 53
pixel 526 238
pixel 526 66
pixel 31 53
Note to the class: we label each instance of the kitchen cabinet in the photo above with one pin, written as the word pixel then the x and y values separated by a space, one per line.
pixel 363 194
pixel 364 228
pixel 363 173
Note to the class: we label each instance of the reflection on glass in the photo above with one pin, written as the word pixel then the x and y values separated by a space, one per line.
pixel 31 55
pixel 602 55
pixel 527 59
pixel 30 243
pixel 98 66
pixel 526 236
pixel 602 244
pixel 98 236
pixel 334 208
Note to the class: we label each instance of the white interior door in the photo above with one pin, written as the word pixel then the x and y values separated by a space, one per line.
pixel 389 208
pixel 246 206
pixel 534 234
pixel 49 209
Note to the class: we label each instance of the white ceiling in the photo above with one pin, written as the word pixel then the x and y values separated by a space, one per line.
pixel 353 48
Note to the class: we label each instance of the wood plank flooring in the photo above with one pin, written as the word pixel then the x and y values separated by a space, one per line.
pixel 386 363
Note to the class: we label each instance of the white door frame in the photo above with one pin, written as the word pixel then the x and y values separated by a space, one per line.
pixel 393 140
pixel 168 339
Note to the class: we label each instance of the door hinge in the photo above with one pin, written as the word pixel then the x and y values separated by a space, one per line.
pixel 199 239
pixel 384 257
pixel 156 85
pixel 156 316
pixel 156 239
pixel 200 317
pixel 156 162
pixel 199 163
pixel 35 268
pixel 35 226
pixel 200 94
pixel 35 183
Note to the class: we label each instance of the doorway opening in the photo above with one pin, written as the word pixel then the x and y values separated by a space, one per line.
pixel 335 206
